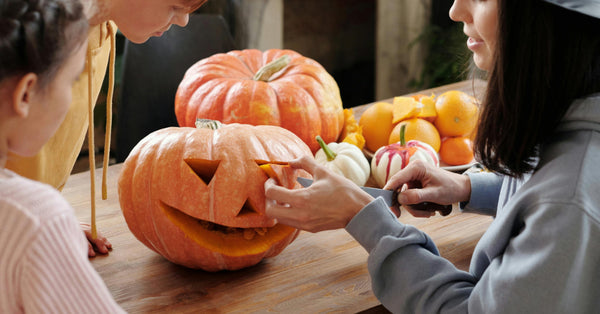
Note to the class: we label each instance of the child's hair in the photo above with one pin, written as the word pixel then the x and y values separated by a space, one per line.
pixel 36 36
pixel 546 57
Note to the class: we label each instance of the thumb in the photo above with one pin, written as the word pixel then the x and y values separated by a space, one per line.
pixel 400 178
pixel 412 196
pixel 413 172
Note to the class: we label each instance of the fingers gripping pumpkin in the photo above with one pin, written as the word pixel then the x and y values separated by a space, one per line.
pixel 196 196
pixel 277 87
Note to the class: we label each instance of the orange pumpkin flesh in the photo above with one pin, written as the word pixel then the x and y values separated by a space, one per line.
pixel 225 240
pixel 196 196
pixel 276 171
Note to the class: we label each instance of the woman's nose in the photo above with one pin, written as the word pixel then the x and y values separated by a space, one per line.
pixel 459 11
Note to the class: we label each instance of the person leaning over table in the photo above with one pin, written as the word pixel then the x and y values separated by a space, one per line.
pixel 44 266
pixel 539 135
pixel 138 20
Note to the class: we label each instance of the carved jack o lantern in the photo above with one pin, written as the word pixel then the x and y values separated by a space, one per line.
pixel 196 196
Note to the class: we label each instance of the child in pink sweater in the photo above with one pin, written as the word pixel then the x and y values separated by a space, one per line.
pixel 43 265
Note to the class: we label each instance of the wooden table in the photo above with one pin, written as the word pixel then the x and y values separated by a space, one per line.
pixel 322 272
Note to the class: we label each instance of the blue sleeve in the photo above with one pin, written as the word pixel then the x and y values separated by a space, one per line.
pixel 485 191
pixel 405 267
pixel 548 267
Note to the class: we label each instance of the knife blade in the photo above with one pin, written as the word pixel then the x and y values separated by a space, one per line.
pixel 390 198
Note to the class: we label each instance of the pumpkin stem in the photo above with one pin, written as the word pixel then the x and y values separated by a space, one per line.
pixel 208 124
pixel 265 73
pixel 328 152
pixel 402 135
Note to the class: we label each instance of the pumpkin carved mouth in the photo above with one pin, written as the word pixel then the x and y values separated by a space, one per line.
pixel 229 241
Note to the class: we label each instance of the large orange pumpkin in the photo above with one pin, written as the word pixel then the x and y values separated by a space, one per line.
pixel 277 87
pixel 196 196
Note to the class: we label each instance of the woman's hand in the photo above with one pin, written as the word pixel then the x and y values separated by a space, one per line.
pixel 100 244
pixel 329 203
pixel 421 182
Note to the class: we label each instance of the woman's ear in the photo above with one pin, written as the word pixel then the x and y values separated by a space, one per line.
pixel 24 94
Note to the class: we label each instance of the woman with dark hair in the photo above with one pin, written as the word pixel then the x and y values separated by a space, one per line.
pixel 539 135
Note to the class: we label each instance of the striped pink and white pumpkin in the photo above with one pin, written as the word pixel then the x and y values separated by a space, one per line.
pixel 392 158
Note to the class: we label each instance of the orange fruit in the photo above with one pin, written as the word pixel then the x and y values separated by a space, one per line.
pixel 417 129
pixel 456 151
pixel 376 124
pixel 457 114
pixel 472 135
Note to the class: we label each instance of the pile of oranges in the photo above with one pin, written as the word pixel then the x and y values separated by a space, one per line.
pixel 446 122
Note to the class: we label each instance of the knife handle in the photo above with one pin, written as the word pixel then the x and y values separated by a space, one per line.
pixel 444 210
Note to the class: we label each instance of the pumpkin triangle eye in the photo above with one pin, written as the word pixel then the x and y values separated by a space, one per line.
pixel 204 169
pixel 247 209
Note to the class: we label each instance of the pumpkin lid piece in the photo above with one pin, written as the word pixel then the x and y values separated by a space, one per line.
pixel 277 171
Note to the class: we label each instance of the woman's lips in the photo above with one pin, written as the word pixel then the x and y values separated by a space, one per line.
pixel 160 33
pixel 473 44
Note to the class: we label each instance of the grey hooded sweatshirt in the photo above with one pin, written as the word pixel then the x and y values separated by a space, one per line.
pixel 541 254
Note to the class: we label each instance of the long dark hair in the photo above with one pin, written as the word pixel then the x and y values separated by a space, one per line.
pixel 36 36
pixel 546 57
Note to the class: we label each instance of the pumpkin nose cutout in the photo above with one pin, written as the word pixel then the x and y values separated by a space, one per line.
pixel 247 209
pixel 204 169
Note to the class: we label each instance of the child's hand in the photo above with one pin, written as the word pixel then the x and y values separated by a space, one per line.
pixel 100 244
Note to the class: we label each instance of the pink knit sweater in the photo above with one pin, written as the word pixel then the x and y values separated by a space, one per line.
pixel 43 259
